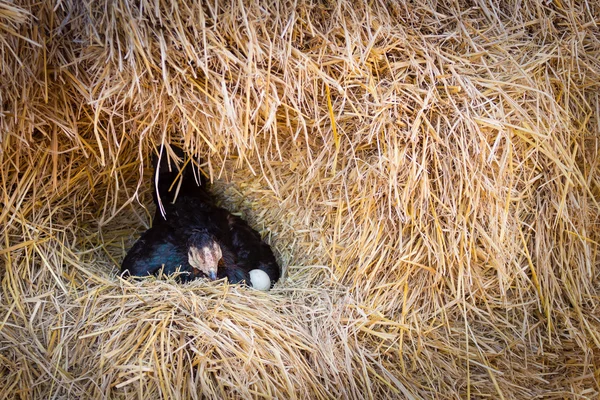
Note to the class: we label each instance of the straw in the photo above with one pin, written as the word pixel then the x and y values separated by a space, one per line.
pixel 427 175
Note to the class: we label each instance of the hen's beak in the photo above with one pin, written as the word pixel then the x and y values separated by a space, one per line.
pixel 212 275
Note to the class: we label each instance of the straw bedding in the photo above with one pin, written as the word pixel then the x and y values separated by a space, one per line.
pixel 427 174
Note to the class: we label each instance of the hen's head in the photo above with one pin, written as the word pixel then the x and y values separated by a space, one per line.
pixel 204 253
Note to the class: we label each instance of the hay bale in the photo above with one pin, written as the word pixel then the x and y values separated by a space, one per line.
pixel 427 175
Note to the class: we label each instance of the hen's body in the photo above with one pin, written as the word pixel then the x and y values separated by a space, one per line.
pixel 188 222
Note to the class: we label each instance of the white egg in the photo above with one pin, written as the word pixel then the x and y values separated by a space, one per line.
pixel 260 280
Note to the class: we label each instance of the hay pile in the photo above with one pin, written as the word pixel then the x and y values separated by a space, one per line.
pixel 427 175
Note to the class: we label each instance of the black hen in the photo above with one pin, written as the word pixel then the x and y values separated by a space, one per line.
pixel 194 236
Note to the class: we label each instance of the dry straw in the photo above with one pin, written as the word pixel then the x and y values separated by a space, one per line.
pixel 427 173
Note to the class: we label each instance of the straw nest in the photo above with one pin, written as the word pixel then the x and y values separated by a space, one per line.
pixel 427 175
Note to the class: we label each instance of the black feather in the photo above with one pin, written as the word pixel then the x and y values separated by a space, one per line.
pixel 164 247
